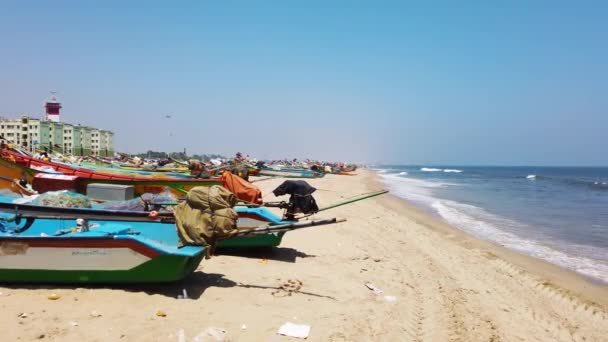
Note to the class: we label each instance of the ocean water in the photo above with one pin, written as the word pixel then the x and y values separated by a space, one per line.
pixel 559 214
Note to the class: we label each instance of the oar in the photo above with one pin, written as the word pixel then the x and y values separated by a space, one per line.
pixel 289 226
pixel 41 212
pixel 356 199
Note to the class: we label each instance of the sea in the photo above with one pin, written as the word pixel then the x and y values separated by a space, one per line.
pixel 558 214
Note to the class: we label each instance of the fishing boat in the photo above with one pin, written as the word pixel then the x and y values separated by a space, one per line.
pixel 49 251
pixel 113 169
pixel 248 218
pixel 47 176
pixel 67 245
pixel 289 173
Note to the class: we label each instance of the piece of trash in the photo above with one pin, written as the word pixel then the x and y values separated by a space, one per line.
pixel 243 327
pixel 294 330
pixel 263 261
pixel 95 314
pixel 374 288
pixel 181 335
pixel 54 296
pixel 161 313
pixel 390 299
pixel 185 296
pixel 74 324
pixel 217 334
pixel 22 315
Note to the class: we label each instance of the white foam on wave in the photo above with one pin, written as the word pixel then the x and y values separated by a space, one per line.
pixel 412 189
pixel 403 173
pixel 430 169
pixel 452 170
pixel 480 223
pixel 531 177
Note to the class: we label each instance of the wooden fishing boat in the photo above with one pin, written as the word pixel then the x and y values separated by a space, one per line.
pixel 66 245
pixel 289 173
pixel 248 218
pixel 345 173
pixel 110 252
pixel 113 169
pixel 160 169
pixel 14 166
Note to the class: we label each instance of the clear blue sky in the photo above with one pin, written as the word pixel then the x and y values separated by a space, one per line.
pixel 454 82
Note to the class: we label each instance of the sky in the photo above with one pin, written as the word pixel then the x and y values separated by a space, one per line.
pixel 454 82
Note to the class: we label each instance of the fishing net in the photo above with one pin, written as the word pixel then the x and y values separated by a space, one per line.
pixel 135 204
pixel 206 216
pixel 147 201
pixel 61 199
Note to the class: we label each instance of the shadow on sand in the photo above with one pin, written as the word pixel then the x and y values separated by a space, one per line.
pixel 195 285
pixel 271 253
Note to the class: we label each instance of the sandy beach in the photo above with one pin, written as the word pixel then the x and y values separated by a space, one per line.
pixel 438 284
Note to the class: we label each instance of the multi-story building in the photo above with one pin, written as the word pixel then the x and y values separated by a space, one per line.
pixel 51 135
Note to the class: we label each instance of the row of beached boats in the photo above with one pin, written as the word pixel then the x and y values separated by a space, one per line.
pixel 41 243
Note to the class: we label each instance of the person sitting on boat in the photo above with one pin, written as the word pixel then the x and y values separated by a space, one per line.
pixel 23 180
pixel 196 168
pixel 44 156
pixel 138 162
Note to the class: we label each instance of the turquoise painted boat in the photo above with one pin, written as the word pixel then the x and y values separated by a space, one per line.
pixel 48 251
pixel 289 173
pixel 134 249
pixel 249 218
pixel 72 245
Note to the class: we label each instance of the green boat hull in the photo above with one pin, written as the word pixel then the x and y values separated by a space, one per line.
pixel 257 241
pixel 163 268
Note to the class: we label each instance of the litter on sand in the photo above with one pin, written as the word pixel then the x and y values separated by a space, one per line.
pixel 374 288
pixel 390 299
pixel 294 330
pixel 95 314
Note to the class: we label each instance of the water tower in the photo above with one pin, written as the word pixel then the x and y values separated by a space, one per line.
pixel 52 107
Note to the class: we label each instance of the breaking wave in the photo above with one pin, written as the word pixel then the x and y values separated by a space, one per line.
pixel 430 169
pixel 506 232
pixel 480 223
